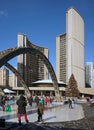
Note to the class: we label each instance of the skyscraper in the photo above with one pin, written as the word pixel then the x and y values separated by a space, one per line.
pixel 31 67
pixel 89 74
pixel 74 49
pixel 4 77
pixel 61 57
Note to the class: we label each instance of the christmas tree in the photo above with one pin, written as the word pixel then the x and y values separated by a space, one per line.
pixel 72 88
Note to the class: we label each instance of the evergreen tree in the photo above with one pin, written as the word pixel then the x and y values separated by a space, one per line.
pixel 72 88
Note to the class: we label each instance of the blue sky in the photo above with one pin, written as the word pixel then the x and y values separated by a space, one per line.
pixel 42 21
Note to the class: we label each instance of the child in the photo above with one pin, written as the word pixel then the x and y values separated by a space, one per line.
pixel 40 111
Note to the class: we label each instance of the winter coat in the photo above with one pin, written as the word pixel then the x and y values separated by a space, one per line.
pixel 40 108
pixel 36 99
pixel 30 100
pixel 21 102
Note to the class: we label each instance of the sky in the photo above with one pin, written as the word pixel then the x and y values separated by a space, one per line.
pixel 42 21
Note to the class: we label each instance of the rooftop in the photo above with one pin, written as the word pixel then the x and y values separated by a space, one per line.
pixel 48 81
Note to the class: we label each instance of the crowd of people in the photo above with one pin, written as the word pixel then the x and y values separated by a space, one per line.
pixel 22 101
pixel 5 101
pixel 40 103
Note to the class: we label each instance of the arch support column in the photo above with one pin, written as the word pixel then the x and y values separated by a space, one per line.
pixel 26 88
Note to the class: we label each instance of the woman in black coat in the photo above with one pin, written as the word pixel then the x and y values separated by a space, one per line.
pixel 21 102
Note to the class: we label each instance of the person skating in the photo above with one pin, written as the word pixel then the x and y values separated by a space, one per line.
pixel 22 103
pixel 70 103
pixel 40 110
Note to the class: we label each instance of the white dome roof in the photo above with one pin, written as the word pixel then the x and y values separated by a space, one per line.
pixel 48 81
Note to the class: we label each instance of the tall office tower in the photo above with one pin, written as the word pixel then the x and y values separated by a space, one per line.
pixel 70 49
pixel 61 57
pixel 75 46
pixel 89 74
pixel 4 77
pixel 31 67
pixel 13 80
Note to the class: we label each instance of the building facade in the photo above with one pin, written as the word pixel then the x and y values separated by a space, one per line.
pixel 61 57
pixel 73 43
pixel 4 77
pixel 89 74
pixel 75 46
pixel 30 66
pixel 12 81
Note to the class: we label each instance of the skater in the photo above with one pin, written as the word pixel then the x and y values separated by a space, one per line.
pixel 70 103
pixel 40 111
pixel 21 102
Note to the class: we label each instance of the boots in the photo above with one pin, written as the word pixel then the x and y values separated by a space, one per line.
pixel 19 122
pixel 27 121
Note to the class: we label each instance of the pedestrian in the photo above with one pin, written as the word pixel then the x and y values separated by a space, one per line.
pixel 22 103
pixel 36 99
pixel 42 101
pixel 70 103
pixel 40 110
pixel 47 100
pixel 73 103
pixel 30 100
pixel 3 103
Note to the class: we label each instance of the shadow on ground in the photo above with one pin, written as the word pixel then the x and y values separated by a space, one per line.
pixel 40 126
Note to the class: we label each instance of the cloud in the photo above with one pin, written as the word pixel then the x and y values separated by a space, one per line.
pixel 3 13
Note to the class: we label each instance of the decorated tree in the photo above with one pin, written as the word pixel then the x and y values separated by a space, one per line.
pixel 72 88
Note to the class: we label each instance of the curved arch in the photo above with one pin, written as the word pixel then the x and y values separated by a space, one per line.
pixel 26 88
pixel 1 92
pixel 17 51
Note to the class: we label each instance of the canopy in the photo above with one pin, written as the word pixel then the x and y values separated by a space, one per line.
pixel 8 91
